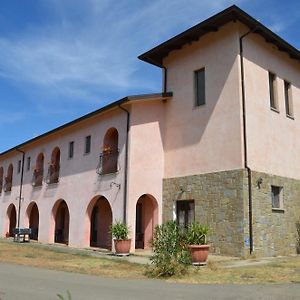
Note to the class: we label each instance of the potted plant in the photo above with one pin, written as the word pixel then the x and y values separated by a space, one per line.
pixel 119 231
pixel 196 239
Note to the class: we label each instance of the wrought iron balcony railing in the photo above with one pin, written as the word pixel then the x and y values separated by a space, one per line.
pixel 7 185
pixel 37 178
pixel 53 174
pixel 108 162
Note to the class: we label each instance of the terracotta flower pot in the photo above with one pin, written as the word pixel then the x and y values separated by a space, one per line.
pixel 199 254
pixel 122 247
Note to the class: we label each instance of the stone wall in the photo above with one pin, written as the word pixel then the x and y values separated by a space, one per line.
pixel 219 202
pixel 274 230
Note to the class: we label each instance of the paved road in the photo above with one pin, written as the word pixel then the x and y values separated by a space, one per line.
pixel 19 282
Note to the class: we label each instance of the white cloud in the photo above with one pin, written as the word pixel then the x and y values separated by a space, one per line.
pixel 93 46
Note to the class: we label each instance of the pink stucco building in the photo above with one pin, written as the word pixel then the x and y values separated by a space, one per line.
pixel 219 145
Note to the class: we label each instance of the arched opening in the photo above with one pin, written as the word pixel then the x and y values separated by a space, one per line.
pixel 38 173
pixel 12 219
pixel 110 152
pixel 1 179
pixel 54 167
pixel 146 220
pixel 100 215
pixel 8 178
pixel 33 216
pixel 62 219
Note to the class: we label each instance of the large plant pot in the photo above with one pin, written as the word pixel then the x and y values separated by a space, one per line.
pixel 122 247
pixel 199 254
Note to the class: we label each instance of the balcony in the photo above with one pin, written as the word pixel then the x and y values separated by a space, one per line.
pixel 108 162
pixel 37 178
pixel 53 174
pixel 7 185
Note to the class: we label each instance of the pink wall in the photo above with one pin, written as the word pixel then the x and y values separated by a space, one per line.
pixel 78 184
pixel 273 138
pixel 146 164
pixel 206 138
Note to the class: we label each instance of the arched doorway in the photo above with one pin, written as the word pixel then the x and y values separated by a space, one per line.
pixel 62 219
pixel 33 216
pixel 100 215
pixel 146 220
pixel 12 219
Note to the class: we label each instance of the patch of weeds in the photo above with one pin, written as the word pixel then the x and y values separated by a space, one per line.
pixel 30 255
pixel 63 298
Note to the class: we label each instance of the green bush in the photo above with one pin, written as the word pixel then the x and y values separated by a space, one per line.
pixel 119 230
pixel 196 234
pixel 171 256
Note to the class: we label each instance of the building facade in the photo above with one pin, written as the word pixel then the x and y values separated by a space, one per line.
pixel 219 145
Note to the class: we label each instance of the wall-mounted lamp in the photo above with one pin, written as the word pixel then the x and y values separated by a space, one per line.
pixel 259 182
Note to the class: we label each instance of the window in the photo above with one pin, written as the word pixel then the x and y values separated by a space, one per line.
pixel 185 212
pixel 28 163
pixel 19 166
pixel 200 87
pixel 288 99
pixel 87 144
pixel 71 149
pixel 273 91
pixel 277 198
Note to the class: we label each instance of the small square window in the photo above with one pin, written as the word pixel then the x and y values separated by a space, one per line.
pixel 19 166
pixel 199 87
pixel 273 91
pixel 277 197
pixel 28 163
pixel 87 144
pixel 71 149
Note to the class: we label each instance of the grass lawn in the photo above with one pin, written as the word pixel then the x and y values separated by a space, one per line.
pixel 31 254
pixel 282 270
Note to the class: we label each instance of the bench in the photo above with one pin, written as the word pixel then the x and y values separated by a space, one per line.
pixel 22 235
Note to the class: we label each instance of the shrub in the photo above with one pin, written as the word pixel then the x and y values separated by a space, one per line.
pixel 170 254
pixel 119 230
pixel 196 234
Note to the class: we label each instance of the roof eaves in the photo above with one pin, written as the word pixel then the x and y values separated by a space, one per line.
pixel 89 115
pixel 233 13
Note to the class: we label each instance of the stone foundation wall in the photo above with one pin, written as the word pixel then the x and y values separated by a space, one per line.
pixel 219 202
pixel 274 231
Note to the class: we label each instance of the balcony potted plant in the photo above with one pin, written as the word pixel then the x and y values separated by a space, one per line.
pixel 196 239
pixel 119 231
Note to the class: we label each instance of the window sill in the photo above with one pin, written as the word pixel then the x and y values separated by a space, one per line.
pixel 275 110
pixel 198 106
pixel 290 117
pixel 111 173
pixel 278 210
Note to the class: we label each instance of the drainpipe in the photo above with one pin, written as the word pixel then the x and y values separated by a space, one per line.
pixel 245 137
pixel 21 185
pixel 126 163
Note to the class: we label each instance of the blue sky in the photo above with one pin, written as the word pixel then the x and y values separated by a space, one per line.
pixel 60 59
